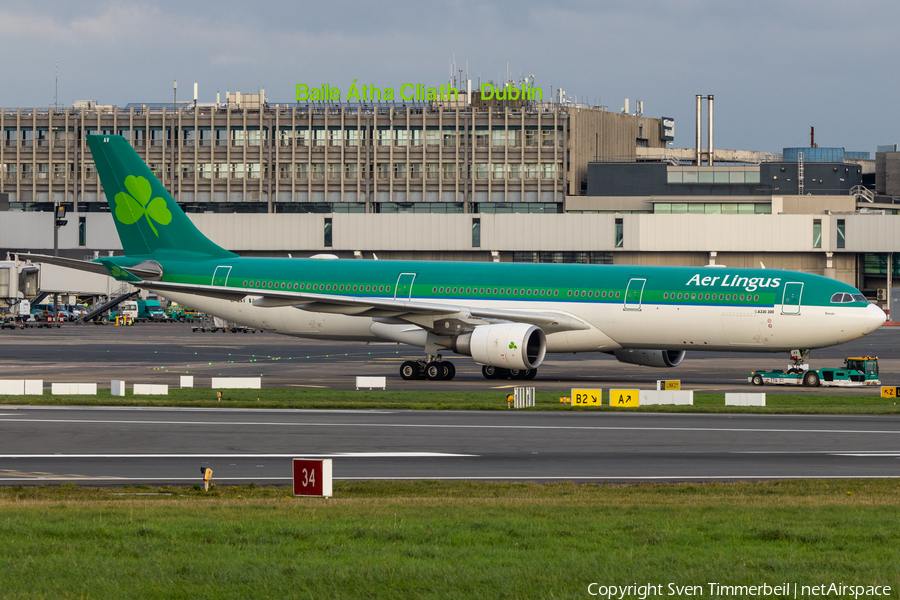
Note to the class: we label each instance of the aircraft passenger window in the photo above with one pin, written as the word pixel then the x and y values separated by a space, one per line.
pixel 245 283
pixel 556 292
pixel 468 290
pixel 742 297
pixel 617 294
pixel 354 288
pixel 570 293
pixel 756 297
pixel 515 292
pixel 679 295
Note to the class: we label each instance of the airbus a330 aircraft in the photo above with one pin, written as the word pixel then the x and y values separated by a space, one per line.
pixel 505 316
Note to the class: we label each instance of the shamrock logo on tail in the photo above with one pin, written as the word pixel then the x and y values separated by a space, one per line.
pixel 512 346
pixel 129 209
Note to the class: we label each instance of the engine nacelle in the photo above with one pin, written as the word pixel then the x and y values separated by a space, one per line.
pixel 650 358
pixel 505 345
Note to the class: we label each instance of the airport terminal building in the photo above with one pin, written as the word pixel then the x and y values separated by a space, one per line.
pixel 247 156
pixel 507 181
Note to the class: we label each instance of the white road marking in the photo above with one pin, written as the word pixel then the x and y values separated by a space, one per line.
pixel 484 478
pixel 439 426
pixel 292 455
pixel 868 454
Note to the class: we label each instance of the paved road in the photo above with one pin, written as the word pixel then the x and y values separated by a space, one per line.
pixel 158 353
pixel 117 446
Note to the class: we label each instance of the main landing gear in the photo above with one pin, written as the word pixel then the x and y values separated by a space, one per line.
pixel 491 372
pixel 432 368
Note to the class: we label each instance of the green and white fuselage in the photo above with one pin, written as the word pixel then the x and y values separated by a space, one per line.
pixel 502 314
pixel 666 308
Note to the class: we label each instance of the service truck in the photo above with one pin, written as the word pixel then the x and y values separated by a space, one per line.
pixel 150 310
pixel 857 371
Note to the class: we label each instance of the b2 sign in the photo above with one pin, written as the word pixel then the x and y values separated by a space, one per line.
pixel 312 477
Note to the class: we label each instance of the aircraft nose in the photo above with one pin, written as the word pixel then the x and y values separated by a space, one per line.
pixel 875 318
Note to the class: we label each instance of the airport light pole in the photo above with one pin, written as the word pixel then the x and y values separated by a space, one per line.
pixel 59 220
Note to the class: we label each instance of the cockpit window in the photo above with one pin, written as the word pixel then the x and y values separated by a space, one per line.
pixel 841 298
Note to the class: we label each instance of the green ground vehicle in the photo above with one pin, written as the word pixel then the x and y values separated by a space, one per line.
pixel 178 312
pixel 150 310
pixel 857 371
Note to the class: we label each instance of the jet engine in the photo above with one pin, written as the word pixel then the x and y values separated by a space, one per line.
pixel 650 358
pixel 505 345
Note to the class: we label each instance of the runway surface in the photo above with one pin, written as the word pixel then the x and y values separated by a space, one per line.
pixel 140 445
pixel 159 353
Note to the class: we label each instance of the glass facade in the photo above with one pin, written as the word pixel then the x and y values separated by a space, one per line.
pixel 713 208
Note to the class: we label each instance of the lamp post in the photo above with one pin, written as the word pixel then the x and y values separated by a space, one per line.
pixel 59 220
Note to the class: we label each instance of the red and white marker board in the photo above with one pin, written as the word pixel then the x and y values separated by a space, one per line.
pixel 312 477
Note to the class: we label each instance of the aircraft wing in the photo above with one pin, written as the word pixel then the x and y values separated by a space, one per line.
pixel 419 313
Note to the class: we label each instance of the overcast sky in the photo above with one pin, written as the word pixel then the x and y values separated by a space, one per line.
pixel 776 67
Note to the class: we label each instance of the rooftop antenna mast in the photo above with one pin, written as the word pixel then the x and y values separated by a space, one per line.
pixel 56 88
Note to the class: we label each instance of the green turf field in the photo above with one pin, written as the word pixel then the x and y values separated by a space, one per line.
pixel 444 539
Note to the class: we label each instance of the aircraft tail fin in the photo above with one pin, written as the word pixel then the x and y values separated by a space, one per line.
pixel 148 219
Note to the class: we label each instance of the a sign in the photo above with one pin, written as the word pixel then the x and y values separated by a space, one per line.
pixel 586 397
pixel 624 398
pixel 312 477
pixel 890 392
pixel 674 384
pixel 666 129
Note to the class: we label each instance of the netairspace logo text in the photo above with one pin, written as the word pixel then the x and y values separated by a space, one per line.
pixel 720 590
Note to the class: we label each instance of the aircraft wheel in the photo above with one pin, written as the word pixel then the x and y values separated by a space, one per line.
pixel 530 374
pixel 489 372
pixel 757 380
pixel 434 371
pixel 811 379
pixel 409 370
pixel 502 374
pixel 449 371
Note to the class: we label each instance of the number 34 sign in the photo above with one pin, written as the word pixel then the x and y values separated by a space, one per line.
pixel 312 477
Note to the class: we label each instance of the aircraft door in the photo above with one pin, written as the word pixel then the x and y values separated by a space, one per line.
pixel 403 290
pixel 220 276
pixel 634 293
pixel 790 304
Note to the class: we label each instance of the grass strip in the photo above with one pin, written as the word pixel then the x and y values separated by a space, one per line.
pixel 781 403
pixel 431 539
